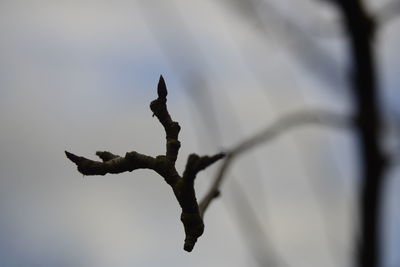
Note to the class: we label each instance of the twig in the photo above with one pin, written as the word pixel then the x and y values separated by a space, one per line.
pixel 164 165
pixel 282 125
pixel 257 237
pixel 298 42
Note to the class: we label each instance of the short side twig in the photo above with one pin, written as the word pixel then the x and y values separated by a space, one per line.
pixel 164 165
pixel 117 164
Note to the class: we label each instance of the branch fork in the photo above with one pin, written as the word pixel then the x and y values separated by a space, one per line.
pixel 164 165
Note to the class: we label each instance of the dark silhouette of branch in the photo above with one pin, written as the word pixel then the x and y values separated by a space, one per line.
pixel 282 125
pixel 361 27
pixel 196 82
pixel 164 165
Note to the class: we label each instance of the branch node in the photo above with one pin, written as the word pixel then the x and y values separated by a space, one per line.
pixel 164 165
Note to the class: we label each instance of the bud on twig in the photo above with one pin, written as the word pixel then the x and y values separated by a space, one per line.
pixel 162 88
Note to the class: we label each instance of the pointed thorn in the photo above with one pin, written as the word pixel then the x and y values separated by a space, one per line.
pixel 162 88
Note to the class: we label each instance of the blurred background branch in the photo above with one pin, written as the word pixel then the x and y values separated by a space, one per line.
pixel 282 125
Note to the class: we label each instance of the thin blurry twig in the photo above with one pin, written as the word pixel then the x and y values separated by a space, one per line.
pixel 255 234
pixel 282 125
pixel 308 52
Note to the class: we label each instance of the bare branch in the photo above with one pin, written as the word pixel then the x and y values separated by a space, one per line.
pixel 130 162
pixel 360 25
pixel 164 165
pixel 282 125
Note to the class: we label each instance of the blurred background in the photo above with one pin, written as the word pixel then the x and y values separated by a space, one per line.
pixel 79 76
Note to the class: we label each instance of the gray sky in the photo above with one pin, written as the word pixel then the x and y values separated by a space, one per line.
pixel 79 76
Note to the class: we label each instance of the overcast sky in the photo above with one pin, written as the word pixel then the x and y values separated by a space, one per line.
pixel 79 76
